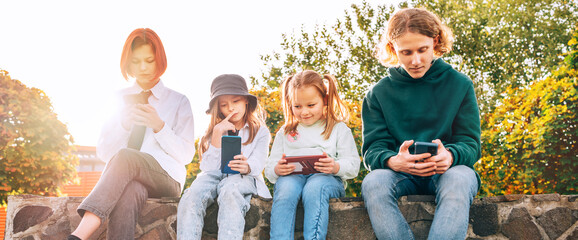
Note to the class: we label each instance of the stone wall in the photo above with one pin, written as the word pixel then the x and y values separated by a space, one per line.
pixel 549 216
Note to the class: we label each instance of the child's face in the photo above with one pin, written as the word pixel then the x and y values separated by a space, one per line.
pixel 308 105
pixel 415 53
pixel 143 66
pixel 233 103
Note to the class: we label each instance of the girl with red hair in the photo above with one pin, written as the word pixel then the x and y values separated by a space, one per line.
pixel 146 144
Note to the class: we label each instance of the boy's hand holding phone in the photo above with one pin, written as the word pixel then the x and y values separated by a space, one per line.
pixel 422 163
pixel 282 168
pixel 411 163
pixel 327 165
pixel 443 159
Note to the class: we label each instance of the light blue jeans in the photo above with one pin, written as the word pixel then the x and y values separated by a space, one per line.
pixel 233 193
pixel 315 191
pixel 454 191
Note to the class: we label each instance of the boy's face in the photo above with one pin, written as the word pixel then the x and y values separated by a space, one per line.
pixel 415 53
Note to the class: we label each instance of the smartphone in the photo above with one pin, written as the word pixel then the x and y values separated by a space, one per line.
pixel 230 147
pixel 425 147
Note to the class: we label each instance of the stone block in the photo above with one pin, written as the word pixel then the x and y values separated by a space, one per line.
pixel 348 220
pixel 29 216
pixel 484 219
pixel 421 198
pixel 574 235
pixel 556 221
pixel 555 197
pixel 490 218
pixel 153 212
pixel 520 226
pixel 57 231
pixel 418 218
pixel 156 233
pixel 504 198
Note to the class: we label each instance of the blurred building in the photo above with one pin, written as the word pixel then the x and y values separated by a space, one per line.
pixel 89 170
pixel 87 159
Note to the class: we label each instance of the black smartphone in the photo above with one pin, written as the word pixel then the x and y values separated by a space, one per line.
pixel 230 147
pixel 425 147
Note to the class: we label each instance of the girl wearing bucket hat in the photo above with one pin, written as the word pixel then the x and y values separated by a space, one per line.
pixel 146 144
pixel 233 110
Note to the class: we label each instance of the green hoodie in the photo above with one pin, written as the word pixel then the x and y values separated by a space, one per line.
pixel 440 105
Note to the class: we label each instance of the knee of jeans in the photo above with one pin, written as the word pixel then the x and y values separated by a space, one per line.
pixel 191 197
pixel 229 192
pixel 123 155
pixel 137 190
pixel 459 175
pixel 458 182
pixel 378 182
pixel 286 188
pixel 323 193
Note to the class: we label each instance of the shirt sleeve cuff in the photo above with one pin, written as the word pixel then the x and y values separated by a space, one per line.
pixel 162 133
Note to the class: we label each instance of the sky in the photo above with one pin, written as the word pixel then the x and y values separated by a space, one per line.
pixel 71 49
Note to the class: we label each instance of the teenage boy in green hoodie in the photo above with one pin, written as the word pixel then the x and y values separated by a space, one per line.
pixel 423 99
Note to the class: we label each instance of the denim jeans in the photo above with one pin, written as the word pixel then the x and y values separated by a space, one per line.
pixel 233 193
pixel 128 180
pixel 454 191
pixel 315 190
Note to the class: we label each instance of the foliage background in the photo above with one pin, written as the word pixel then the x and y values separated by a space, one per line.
pixel 35 147
pixel 521 55
pixel 505 46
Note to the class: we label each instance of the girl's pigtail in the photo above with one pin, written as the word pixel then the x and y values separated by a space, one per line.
pixel 336 110
pixel 290 122
pixel 335 107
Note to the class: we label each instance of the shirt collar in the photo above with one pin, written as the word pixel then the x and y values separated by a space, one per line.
pixel 158 90
pixel 244 126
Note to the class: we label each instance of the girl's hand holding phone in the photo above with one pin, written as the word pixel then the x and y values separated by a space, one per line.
pixel 141 114
pixel 126 117
pixel 327 165
pixel 240 164
pixel 282 168
pixel 146 115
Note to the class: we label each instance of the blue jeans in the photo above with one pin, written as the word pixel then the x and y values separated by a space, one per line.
pixel 316 190
pixel 233 193
pixel 454 191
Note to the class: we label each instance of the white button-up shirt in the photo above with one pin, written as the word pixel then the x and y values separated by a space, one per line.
pixel 173 146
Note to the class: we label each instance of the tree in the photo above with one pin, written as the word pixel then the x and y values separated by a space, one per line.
pixel 500 44
pixel 504 44
pixel 532 136
pixel 35 147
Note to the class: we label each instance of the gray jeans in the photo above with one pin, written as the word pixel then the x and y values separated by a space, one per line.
pixel 233 193
pixel 129 179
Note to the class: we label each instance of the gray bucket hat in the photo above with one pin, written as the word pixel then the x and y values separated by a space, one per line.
pixel 231 84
